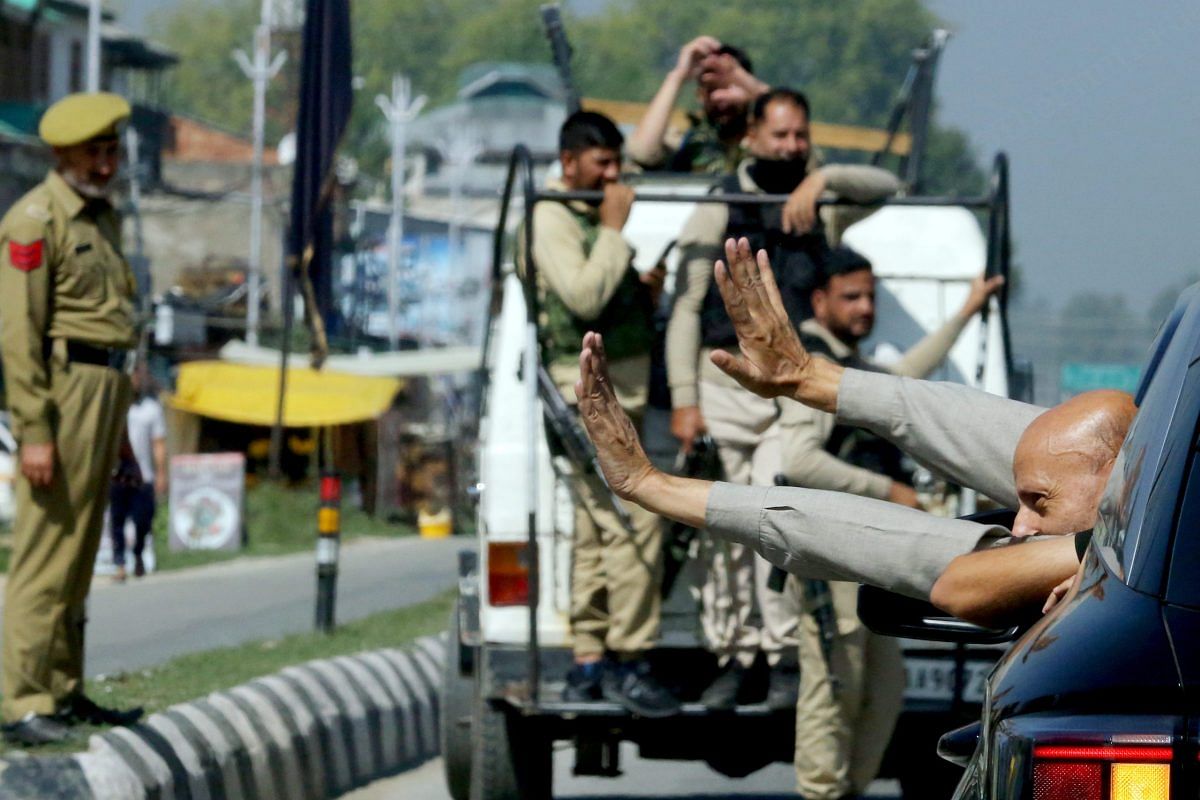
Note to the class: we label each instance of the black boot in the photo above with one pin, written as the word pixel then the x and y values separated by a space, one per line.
pixel 783 690
pixel 631 684
pixel 583 682
pixel 35 729
pixel 722 694
pixel 80 708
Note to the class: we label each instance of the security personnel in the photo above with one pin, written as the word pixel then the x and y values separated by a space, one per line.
pixel 586 281
pixel 66 322
pixel 745 427
pixel 841 736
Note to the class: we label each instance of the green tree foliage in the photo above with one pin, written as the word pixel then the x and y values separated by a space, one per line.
pixel 849 57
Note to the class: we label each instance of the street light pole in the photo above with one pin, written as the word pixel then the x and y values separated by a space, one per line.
pixel 261 72
pixel 399 110
pixel 93 46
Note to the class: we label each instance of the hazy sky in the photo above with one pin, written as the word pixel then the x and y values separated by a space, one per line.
pixel 1096 103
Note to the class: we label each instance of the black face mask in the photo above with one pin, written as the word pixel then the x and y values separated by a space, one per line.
pixel 777 175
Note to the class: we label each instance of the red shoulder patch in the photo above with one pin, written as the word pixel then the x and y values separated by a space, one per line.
pixel 26 257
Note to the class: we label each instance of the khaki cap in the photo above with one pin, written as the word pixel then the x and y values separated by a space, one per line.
pixel 80 117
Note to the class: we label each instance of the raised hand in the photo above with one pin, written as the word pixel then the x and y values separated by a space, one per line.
pixel 620 453
pixel 772 362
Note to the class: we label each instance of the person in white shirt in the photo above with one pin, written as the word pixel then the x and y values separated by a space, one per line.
pixel 131 498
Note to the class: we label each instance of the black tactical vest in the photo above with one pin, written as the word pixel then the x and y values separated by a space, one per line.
pixel 795 261
pixel 859 446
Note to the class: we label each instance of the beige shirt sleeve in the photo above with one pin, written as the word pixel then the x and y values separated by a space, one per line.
pixel 924 356
pixel 837 536
pixel 807 463
pixel 857 182
pixel 584 283
pixel 28 254
pixel 700 245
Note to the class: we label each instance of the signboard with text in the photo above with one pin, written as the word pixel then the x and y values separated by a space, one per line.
pixel 207 496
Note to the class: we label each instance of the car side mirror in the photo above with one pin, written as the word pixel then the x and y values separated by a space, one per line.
pixel 892 614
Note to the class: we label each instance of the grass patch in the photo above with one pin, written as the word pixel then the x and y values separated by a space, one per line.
pixel 198 674
pixel 279 520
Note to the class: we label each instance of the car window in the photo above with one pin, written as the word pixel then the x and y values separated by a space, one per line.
pixel 1137 512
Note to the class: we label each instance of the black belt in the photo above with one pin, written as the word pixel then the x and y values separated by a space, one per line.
pixel 83 353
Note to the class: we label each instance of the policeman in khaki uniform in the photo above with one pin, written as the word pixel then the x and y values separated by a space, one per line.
pixel 745 427
pixel 586 281
pixel 66 320
pixel 841 735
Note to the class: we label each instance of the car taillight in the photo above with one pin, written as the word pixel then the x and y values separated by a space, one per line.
pixel 1101 772
pixel 508 573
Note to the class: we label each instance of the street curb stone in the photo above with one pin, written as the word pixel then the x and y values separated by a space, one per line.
pixel 310 732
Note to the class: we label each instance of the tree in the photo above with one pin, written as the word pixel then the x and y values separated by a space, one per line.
pixel 848 57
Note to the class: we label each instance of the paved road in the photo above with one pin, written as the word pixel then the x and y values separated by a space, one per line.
pixel 148 621
pixel 642 779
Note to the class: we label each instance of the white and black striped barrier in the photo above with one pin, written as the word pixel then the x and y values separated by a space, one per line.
pixel 310 732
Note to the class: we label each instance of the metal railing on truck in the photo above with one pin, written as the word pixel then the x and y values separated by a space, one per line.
pixel 520 168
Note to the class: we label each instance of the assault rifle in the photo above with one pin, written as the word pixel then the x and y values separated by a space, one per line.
pixel 562 423
pixel 560 49
pixel 819 601
pixel 700 462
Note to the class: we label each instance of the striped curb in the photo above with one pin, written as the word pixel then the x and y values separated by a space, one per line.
pixel 309 732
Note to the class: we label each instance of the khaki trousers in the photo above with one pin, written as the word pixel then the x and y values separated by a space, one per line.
pixel 841 740
pixel 615 575
pixel 55 537
pixel 746 431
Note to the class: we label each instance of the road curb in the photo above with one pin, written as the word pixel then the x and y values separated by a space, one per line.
pixel 310 732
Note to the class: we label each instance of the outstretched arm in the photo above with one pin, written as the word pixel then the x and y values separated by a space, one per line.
pixel 1004 585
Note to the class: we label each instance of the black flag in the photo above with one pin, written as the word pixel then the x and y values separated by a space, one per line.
pixel 326 96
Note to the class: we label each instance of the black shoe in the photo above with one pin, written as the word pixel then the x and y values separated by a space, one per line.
pixel 783 690
pixel 81 709
pixel 139 567
pixel 722 694
pixel 583 683
pixel 35 729
pixel 630 684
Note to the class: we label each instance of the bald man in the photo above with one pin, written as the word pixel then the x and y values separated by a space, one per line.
pixel 819 534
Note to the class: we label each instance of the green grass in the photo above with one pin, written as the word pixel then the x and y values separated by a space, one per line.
pixel 279 520
pixel 198 674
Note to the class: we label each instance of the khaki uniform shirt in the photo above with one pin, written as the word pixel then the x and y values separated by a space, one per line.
pixel 805 430
pixel 702 242
pixel 62 276
pixel 585 284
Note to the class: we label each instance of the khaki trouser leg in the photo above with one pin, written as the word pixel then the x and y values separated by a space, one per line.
pixel 748 442
pixel 55 537
pixel 780 613
pixel 616 600
pixel 840 741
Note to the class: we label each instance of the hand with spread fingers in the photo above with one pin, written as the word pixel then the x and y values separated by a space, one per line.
pixel 621 455
pixel 772 362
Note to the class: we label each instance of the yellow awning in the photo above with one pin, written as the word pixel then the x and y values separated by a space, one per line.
pixel 249 394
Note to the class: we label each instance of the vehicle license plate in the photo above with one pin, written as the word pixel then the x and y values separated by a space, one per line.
pixel 933 679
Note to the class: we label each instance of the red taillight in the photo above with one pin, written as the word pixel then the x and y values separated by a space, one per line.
pixel 1101 772
pixel 508 574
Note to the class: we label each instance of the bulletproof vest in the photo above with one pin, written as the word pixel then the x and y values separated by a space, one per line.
pixel 854 445
pixel 795 261
pixel 626 323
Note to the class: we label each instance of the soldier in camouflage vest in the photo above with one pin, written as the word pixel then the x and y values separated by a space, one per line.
pixel 586 282
pixel 725 87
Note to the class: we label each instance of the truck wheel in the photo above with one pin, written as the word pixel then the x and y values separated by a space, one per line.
pixel 458 699
pixel 511 758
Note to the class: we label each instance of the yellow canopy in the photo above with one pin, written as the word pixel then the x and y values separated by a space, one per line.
pixel 249 394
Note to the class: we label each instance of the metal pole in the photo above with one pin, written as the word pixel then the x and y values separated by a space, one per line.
pixel 260 71
pixel 460 150
pixel 399 110
pixel 93 46
pixel 329 533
